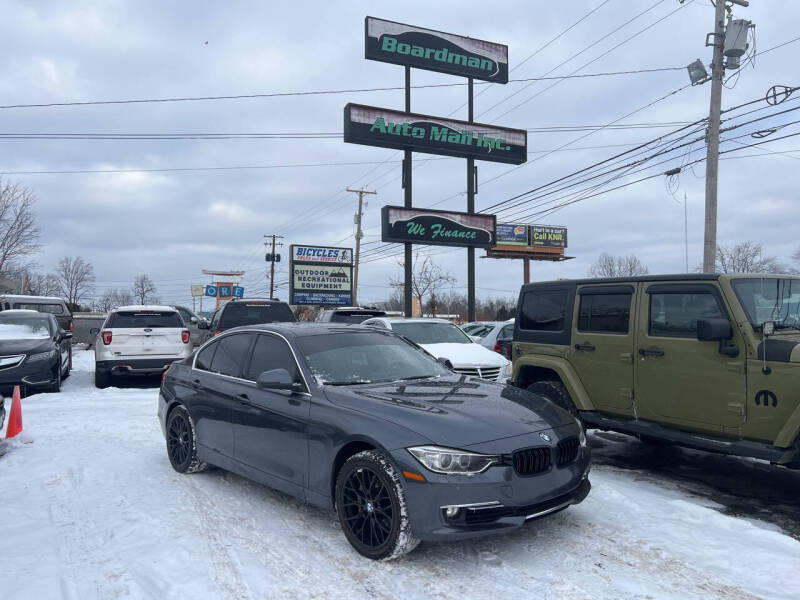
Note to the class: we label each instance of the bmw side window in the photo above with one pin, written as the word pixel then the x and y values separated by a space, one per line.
pixel 270 353
pixel 544 310
pixel 231 354
pixel 676 315
pixel 604 313
pixel 204 357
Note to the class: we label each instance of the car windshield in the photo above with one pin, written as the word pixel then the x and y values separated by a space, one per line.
pixel 366 357
pixel 431 333
pixel 770 299
pixel 144 318
pixel 236 314
pixel 354 317
pixel 24 328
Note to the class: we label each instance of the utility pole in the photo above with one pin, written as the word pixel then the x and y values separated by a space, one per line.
pixel 686 231
pixel 271 260
pixel 712 135
pixel 359 235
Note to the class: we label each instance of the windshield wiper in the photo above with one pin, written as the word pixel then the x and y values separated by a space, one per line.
pixel 346 382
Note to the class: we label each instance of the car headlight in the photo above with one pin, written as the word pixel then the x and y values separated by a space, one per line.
pixel 508 371
pixel 581 433
pixel 39 356
pixel 452 462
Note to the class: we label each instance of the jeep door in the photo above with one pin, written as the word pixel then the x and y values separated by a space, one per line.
pixel 679 379
pixel 603 344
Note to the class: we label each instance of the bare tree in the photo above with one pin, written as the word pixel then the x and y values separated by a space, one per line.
pixel 41 284
pixel 144 290
pixel 19 233
pixel 608 265
pixel 746 257
pixel 426 279
pixel 75 278
pixel 114 298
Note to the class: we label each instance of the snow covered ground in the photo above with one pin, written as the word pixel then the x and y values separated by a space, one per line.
pixel 92 509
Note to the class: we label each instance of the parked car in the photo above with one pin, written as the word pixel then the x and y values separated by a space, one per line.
pixel 499 338
pixel 477 329
pixel 139 340
pixel 43 304
pixel 348 314
pixel 250 311
pixel 705 361
pixel 34 351
pixel 445 340
pixel 192 322
pixel 361 421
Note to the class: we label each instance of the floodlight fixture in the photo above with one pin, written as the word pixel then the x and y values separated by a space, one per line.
pixel 697 72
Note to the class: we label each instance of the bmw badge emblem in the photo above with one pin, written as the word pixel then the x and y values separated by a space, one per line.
pixel 545 437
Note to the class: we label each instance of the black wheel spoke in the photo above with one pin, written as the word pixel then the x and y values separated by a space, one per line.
pixel 367 507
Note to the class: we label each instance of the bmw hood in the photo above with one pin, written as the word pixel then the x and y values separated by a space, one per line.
pixel 466 355
pixel 454 411
pixel 29 346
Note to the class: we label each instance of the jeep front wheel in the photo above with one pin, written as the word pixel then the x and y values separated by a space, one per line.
pixel 557 393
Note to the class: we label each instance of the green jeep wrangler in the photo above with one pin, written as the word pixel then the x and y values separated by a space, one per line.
pixel 706 361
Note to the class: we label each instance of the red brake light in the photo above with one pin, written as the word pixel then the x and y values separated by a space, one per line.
pixel 498 348
pixel 106 336
pixel 217 331
pixel 185 334
pixel 72 326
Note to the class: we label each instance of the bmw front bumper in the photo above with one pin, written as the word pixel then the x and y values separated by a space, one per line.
pixel 495 501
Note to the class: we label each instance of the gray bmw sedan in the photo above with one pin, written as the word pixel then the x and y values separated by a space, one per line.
pixel 363 422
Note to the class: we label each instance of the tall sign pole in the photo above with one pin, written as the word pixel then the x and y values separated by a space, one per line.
pixel 470 210
pixel 712 157
pixel 359 235
pixel 407 262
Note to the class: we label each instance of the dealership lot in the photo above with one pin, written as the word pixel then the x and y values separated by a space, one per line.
pixel 92 509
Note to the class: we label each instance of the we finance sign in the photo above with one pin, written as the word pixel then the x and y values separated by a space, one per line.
pixel 388 128
pixel 401 44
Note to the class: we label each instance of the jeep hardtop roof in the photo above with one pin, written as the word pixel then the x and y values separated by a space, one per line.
pixel 676 277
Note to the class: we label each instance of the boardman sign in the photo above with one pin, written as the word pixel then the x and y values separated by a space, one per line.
pixel 388 128
pixel 432 50
pixel 321 275
pixel 437 227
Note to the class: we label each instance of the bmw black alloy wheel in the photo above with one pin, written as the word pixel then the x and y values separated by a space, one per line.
pixel 367 507
pixel 179 439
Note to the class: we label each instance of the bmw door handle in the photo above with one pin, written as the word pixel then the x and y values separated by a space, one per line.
pixel 651 352
pixel 243 399
pixel 195 384
pixel 585 347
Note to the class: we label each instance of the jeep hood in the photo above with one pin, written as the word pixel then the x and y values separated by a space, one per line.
pixel 454 411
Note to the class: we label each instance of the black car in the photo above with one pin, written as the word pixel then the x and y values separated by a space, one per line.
pixel 34 351
pixel 359 420
pixel 251 311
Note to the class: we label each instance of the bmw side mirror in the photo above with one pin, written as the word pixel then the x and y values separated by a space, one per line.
pixel 94 331
pixel 445 361
pixel 277 379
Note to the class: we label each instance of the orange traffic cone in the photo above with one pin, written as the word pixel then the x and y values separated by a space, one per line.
pixel 15 418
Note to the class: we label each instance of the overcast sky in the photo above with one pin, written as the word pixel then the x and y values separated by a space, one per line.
pixel 172 224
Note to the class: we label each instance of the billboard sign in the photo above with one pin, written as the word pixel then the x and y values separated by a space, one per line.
pixel 197 290
pixel 387 128
pixel 401 44
pixel 211 291
pixel 512 234
pixel 548 236
pixel 437 227
pixel 321 275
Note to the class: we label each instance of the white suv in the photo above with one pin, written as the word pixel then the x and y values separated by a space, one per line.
pixel 139 340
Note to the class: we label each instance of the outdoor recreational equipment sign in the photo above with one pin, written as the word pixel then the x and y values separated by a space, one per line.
pixel 388 128
pixel 437 227
pixel 433 50
pixel 548 236
pixel 321 275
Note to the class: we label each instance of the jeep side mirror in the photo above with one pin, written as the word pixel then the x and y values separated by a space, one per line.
pixel 717 330
pixel 714 330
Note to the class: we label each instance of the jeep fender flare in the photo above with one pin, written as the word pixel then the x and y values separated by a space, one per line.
pixel 528 370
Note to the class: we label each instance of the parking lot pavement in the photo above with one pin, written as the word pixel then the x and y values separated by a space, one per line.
pixel 92 509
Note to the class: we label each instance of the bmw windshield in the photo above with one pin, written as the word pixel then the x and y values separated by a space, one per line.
pixel 366 357
pixel 770 299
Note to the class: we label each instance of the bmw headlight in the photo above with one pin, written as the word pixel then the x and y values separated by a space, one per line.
pixel 40 356
pixel 452 462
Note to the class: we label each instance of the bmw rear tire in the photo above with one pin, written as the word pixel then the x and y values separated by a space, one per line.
pixel 182 442
pixel 372 509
